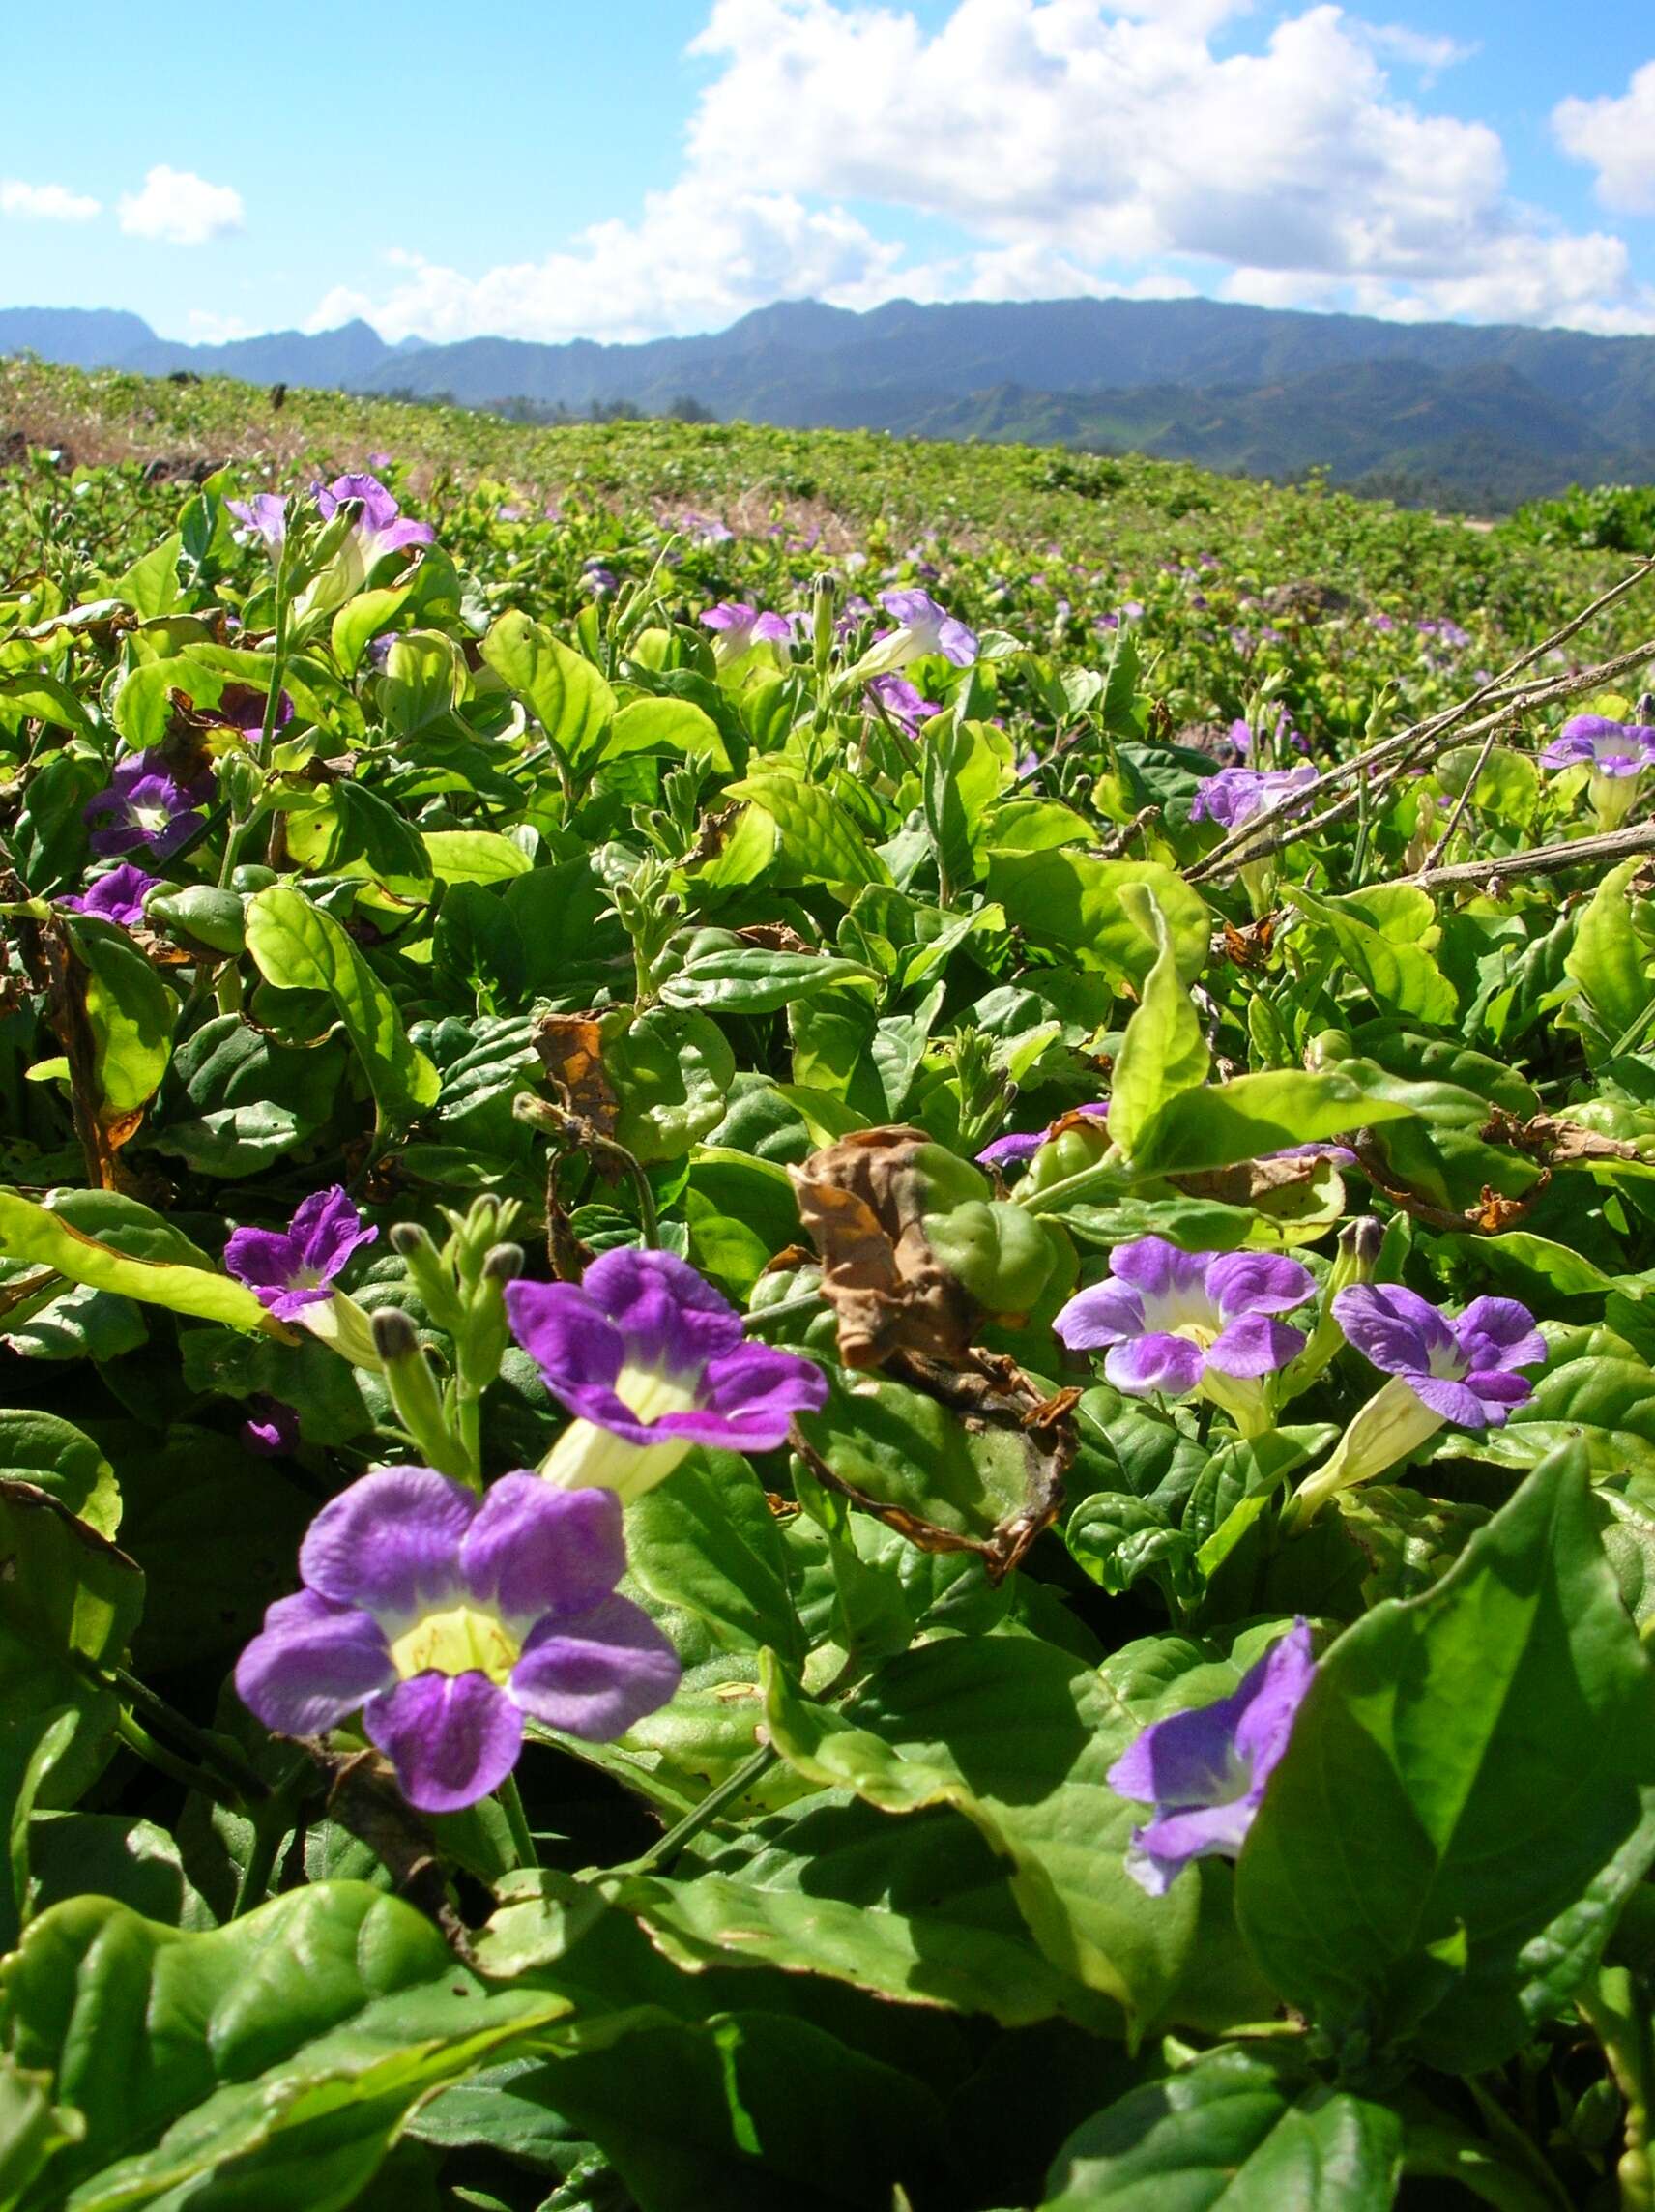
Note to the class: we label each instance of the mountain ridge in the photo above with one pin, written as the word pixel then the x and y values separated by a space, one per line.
pixel 1488 413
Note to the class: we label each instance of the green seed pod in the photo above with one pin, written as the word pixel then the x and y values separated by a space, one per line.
pixel 1077 1143
pixel 999 1252
pixel 946 1180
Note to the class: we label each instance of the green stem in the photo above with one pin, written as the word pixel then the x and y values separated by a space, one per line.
pixel 517 1821
pixel 212 1754
pixel 785 1309
pixel 137 1738
pixel 666 1848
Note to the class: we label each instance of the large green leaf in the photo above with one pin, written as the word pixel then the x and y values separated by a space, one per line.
pixel 60 1458
pixel 298 948
pixel 1225 1123
pixel 566 696
pixel 1608 958
pixel 1401 977
pixel 1074 904
pixel 817 842
pixel 264 2064
pixel 1019 1736
pixel 1238 2130
pixel 1469 1795
pixel 1163 1052
pixel 131 1014
pixel 707 1542
pixel 68 1605
pixel 920 1910
pixel 43 1235
pixel 1595 1392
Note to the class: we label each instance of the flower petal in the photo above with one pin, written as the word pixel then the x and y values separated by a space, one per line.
pixel 669 1314
pixel 534 1549
pixel 1454 1401
pixel 593 1676
pixel 1503 1323
pixel 311 1663
pixel 1171 1364
pixel 574 1346
pixel 1393 1328
pixel 1159 1853
pixel 1258 1282
pixel 1157 1268
pixel 327 1229
pixel 1100 1315
pixel 1184 1760
pixel 753 1393
pixel 391 1542
pixel 1255 1344
pixel 264 1259
pixel 451 1738
pixel 1270 1698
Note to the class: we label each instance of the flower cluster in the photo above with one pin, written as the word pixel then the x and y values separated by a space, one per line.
pixel 446 1618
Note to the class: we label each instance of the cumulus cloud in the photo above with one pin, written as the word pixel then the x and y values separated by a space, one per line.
pixel 179 208
pixel 1615 138
pixel 46 203
pixel 1071 147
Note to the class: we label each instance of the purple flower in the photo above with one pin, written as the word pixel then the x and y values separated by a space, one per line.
pixel 147 808
pixel 1613 748
pixel 1005 1152
pixel 1449 632
pixel 652 1360
pixel 381 528
pixel 271 1428
pixel 597 579
pixel 288 1269
pixel 1204 1770
pixel 902 702
pixel 118 896
pixel 923 627
pixel 1234 794
pixel 1177 1321
pixel 241 706
pixel 446 1617
pixel 1461 1370
pixel 740 627
pixel 1340 1154
pixel 263 518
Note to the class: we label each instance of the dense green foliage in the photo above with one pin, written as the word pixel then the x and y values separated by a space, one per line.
pixel 524 908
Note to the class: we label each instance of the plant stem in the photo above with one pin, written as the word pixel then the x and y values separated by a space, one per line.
pixel 517 1821
pixel 137 1738
pixel 667 1848
pixel 784 1309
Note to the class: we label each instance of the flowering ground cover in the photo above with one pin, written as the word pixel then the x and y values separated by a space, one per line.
pixel 825 1373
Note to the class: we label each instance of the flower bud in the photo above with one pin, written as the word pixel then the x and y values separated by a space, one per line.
pixel 408 1238
pixel 393 1333
pixel 415 1395
pixel 503 1262
pixel 1359 1244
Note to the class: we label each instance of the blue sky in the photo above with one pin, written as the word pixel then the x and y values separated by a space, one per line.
pixel 558 170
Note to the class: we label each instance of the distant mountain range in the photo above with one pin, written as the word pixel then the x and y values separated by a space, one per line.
pixel 1478 416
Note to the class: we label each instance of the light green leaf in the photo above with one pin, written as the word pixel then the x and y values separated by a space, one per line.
pixel 567 696
pixel 1164 1051
pixel 1075 904
pixel 298 948
pixel 41 1234
pixel 708 1543
pixel 1401 978
pixel 61 1459
pixel 1608 958
pixel 817 843
pixel 473 856
pixel 131 1014
pixel 1227 1123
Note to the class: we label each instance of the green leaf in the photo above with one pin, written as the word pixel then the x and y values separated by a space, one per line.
pixel 1401 977
pixel 752 980
pixel 287 2049
pixel 40 1234
pixel 1469 1795
pixel 1078 906
pixel 70 1603
pixel 566 696
pixel 1239 2129
pixel 920 1911
pixel 473 856
pixel 672 1072
pixel 1608 958
pixel 708 1543
pixel 1227 1123
pixel 297 947
pixel 818 842
pixel 131 1014
pixel 1595 1391
pixel 1164 1051
pixel 666 725
pixel 1019 1736
pixel 61 1459
pixel 32 2130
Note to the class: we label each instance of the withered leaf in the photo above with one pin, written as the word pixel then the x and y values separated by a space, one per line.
pixel 570 1047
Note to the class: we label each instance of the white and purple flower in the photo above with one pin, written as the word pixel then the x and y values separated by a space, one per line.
pixel 446 1617
pixel 1441 1368
pixel 923 628
pixel 261 520
pixel 1616 753
pixel 380 526
pixel 117 896
pixel 1175 1323
pixel 739 627
pixel 652 1361
pixel 144 807
pixel 289 1269
pixel 1235 795
pixel 1205 1771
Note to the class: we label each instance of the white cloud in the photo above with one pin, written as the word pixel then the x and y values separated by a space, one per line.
pixel 46 203
pixel 207 327
pixel 179 208
pixel 1071 147
pixel 1615 138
